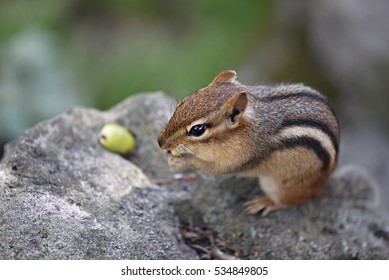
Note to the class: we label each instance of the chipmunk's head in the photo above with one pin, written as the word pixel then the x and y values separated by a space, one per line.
pixel 205 131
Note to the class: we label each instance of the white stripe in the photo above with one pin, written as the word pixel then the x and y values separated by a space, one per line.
pixel 315 133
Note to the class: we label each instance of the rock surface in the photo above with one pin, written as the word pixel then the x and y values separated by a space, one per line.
pixel 63 196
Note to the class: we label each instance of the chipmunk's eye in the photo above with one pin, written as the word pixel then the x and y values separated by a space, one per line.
pixel 197 130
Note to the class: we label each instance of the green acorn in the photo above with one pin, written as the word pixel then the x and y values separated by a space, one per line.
pixel 117 139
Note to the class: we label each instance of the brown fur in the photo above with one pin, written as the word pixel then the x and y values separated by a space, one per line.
pixel 287 135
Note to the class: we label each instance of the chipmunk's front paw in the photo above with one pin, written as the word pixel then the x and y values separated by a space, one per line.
pixel 263 204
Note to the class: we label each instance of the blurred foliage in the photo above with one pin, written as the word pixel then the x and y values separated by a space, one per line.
pixel 122 47
pixel 175 46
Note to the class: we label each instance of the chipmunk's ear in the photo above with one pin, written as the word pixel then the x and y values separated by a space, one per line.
pixel 235 106
pixel 224 77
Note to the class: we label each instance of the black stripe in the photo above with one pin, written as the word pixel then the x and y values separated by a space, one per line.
pixel 314 96
pixel 316 124
pixel 309 143
pixel 290 143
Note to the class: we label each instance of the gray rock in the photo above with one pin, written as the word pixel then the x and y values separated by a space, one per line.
pixel 63 196
pixel 344 223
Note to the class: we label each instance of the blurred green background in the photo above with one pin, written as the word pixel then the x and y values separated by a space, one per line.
pixel 58 54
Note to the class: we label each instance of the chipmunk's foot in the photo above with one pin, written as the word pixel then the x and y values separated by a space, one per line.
pixel 263 204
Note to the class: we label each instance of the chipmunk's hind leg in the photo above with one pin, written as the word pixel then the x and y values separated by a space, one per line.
pixel 259 204
pixel 300 178
pixel 267 203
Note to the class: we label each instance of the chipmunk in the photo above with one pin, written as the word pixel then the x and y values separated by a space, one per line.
pixel 287 135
